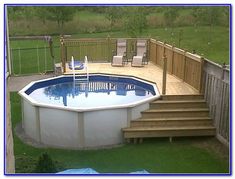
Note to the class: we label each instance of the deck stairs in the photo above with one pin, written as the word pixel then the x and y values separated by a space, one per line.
pixel 172 116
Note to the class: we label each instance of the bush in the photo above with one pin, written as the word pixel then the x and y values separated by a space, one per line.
pixel 45 164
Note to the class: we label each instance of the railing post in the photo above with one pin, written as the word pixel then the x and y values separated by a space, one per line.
pixel 164 72
pixel 223 69
pixel 156 53
pixel 62 54
pixel 45 59
pixel 184 71
pixel 202 81
pixel 172 59
pixel 108 43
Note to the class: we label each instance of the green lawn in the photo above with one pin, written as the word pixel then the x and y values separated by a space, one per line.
pixel 212 44
pixel 155 155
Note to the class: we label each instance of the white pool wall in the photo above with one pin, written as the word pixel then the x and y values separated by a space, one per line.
pixel 64 127
pixel 77 130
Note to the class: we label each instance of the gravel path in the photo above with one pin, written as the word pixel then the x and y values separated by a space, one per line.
pixel 16 83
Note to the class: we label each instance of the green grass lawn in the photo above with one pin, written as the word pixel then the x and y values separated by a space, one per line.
pixel 212 44
pixel 155 155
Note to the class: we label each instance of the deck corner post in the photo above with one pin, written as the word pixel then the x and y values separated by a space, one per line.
pixel 164 74
pixel 62 51
pixel 202 80
pixel 109 48
pixel 223 71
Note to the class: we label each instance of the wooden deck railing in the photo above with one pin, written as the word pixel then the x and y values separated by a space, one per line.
pixel 217 95
pixel 97 49
pixel 208 78
pixel 182 64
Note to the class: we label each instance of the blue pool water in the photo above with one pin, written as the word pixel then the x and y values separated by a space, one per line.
pixel 98 92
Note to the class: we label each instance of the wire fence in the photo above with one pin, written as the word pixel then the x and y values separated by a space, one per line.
pixel 36 57
pixel 34 60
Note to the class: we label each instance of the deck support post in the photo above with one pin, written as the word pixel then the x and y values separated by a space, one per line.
pixel 128 140
pixel 170 139
pixel 164 74
pixel 135 140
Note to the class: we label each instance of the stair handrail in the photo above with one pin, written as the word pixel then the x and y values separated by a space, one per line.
pixel 73 67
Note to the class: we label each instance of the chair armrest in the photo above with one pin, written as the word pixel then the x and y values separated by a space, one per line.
pixel 145 54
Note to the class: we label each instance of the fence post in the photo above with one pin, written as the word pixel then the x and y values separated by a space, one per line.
pixel 52 53
pixel 164 72
pixel 108 43
pixel 45 64
pixel 12 62
pixel 38 60
pixel 19 59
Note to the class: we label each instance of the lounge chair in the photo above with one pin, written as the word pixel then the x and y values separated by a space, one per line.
pixel 141 57
pixel 120 58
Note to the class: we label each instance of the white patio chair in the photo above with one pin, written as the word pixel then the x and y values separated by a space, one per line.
pixel 140 58
pixel 120 58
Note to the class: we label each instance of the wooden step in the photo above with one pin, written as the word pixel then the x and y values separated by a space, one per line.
pixel 170 122
pixel 182 97
pixel 181 112
pixel 143 132
pixel 160 104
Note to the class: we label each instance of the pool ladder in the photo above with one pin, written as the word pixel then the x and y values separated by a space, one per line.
pixel 76 78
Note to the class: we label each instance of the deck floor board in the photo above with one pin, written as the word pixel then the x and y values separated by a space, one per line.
pixel 149 72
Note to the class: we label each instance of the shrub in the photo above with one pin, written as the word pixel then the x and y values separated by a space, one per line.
pixel 45 164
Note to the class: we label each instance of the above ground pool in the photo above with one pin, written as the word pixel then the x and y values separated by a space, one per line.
pixel 76 114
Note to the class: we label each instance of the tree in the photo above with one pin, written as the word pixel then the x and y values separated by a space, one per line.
pixel 113 14
pixel 135 20
pixel 170 15
pixel 60 14
pixel 45 164
pixel 42 13
pixel 210 16
pixel 14 12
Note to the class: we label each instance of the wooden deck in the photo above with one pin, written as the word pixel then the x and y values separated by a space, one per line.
pixel 150 72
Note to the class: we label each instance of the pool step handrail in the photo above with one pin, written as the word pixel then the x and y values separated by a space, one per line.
pixel 73 67
pixel 86 69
